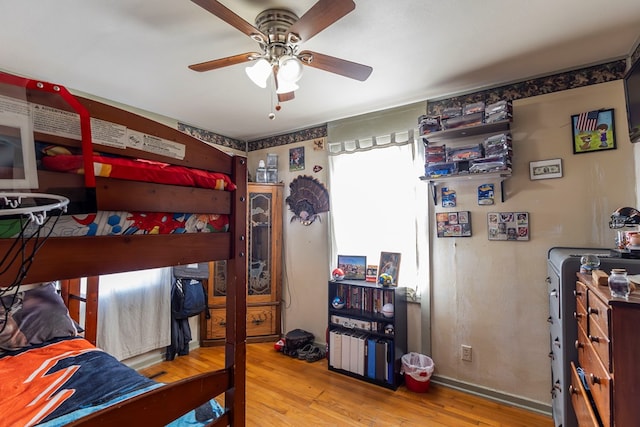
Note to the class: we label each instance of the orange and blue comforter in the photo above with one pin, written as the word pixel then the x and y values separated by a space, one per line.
pixel 58 382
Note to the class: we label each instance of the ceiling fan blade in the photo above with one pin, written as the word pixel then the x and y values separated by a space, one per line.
pixel 228 16
pixel 224 62
pixel 343 67
pixel 320 16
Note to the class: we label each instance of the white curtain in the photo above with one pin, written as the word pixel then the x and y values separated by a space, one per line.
pixel 379 204
pixel 134 312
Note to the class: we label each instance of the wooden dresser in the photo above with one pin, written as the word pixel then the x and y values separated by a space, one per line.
pixel 608 348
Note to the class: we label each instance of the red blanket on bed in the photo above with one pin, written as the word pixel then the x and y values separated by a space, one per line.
pixel 141 170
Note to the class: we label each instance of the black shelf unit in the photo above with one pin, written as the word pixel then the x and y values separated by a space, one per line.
pixel 360 322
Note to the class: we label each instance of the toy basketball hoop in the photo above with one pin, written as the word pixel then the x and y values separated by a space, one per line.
pixel 27 214
pixel 33 205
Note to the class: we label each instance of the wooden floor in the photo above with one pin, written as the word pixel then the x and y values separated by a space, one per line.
pixel 282 391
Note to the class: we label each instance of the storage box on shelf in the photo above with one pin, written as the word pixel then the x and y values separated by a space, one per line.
pixel 452 154
pixel 367 331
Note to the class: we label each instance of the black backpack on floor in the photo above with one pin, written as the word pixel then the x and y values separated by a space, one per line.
pixel 295 340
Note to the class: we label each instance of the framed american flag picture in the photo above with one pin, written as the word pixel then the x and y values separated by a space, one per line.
pixel 593 131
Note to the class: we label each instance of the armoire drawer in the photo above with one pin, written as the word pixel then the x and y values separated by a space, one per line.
pixel 261 320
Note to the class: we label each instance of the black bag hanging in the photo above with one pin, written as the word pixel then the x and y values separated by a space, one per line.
pixel 188 298
pixel 188 294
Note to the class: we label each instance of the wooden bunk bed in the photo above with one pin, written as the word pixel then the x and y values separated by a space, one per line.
pixel 67 258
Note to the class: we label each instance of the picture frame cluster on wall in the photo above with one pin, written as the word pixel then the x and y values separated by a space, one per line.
pixel 513 226
pixel 453 224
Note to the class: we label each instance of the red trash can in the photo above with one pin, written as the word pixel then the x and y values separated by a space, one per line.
pixel 417 369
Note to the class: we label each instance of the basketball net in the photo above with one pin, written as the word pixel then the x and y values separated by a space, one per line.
pixel 31 213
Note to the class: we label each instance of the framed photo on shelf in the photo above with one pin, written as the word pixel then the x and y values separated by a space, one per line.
pixel 545 169
pixel 512 226
pixel 593 131
pixel 390 264
pixel 372 273
pixel 453 224
pixel 354 266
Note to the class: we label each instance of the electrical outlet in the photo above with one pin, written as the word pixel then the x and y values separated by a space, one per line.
pixel 466 353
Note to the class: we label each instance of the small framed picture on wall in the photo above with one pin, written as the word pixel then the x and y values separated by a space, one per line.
pixel 593 131
pixel 296 159
pixel 453 224
pixel 512 226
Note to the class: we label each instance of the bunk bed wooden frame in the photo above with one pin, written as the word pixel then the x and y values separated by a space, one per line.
pixel 63 258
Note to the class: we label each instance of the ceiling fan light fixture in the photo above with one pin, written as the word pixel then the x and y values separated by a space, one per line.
pixel 259 72
pixel 285 86
pixel 289 69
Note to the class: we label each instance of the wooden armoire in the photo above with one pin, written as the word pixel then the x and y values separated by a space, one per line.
pixel 264 275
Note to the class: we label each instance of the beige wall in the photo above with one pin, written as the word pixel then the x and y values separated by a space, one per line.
pixel 305 250
pixel 490 295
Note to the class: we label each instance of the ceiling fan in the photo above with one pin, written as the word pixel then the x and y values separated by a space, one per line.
pixel 279 33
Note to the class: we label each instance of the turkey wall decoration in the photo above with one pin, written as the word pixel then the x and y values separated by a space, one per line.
pixel 308 198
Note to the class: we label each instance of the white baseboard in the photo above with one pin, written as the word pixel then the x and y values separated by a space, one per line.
pixel 504 398
pixel 153 357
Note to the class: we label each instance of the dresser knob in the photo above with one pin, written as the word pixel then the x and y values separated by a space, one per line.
pixel 551 355
pixel 572 390
pixel 553 293
pixel 594 379
pixel 579 345
pixel 594 338
pixel 577 315
pixel 577 293
pixel 549 319
pixel 593 310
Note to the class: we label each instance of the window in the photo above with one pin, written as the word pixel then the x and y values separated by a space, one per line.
pixel 378 204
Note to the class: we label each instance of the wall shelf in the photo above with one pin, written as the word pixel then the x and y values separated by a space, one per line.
pixel 455 136
pixel 464 132
pixel 490 176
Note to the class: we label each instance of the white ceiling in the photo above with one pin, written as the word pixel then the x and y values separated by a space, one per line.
pixel 136 52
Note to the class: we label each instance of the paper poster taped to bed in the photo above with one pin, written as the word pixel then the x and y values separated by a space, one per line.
pixel 54 121
pixel 153 144
pixel 66 124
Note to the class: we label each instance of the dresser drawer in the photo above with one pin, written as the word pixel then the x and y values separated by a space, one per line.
pixel 581 314
pixel 581 293
pixel 582 342
pixel 598 312
pixel 580 401
pixel 261 320
pixel 599 382
pixel 601 344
